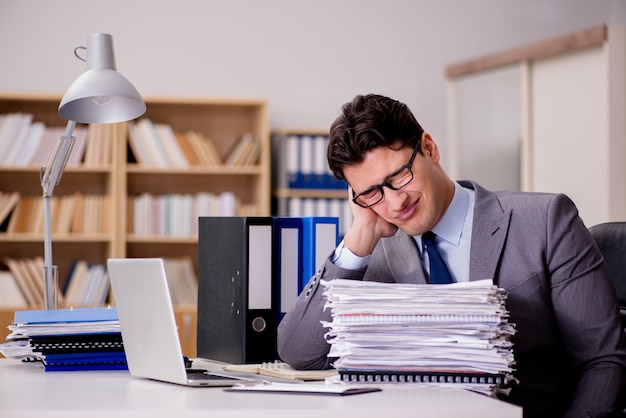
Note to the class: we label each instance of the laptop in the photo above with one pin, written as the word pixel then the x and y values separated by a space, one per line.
pixel 149 332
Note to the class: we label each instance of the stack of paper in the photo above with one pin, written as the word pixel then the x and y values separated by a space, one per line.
pixel 425 334
pixel 68 339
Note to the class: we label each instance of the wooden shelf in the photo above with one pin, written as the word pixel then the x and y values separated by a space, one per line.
pixel 311 193
pixel 221 120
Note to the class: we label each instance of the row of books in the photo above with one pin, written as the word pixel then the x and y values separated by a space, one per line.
pixel 88 284
pixel 85 284
pixel 21 283
pixel 77 213
pixel 303 163
pixel 177 214
pixel 25 142
pixel 159 145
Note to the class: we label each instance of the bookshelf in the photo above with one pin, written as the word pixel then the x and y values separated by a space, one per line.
pixel 123 177
pixel 223 122
pixel 303 185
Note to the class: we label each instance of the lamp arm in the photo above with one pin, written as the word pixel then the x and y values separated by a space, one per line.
pixel 50 177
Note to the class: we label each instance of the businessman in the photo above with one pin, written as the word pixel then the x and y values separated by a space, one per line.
pixel 569 349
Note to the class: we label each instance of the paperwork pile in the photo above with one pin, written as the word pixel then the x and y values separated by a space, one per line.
pixel 67 339
pixel 455 334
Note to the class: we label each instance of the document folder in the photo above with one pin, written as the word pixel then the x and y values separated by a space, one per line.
pixel 288 261
pixel 320 236
pixel 236 307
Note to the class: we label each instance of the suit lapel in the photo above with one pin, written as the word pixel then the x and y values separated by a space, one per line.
pixel 489 231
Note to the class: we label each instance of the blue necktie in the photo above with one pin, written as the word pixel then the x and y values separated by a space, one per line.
pixel 439 273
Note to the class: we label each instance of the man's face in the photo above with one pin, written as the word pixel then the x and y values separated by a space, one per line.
pixel 419 205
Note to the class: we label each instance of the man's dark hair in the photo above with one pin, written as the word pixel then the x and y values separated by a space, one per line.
pixel 369 122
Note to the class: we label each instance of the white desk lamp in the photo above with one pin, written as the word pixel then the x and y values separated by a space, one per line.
pixel 99 95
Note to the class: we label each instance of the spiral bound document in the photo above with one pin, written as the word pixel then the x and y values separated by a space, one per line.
pixel 420 376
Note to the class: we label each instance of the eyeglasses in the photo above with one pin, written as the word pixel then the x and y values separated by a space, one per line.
pixel 394 181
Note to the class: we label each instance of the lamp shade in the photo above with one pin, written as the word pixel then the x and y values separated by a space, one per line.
pixel 101 94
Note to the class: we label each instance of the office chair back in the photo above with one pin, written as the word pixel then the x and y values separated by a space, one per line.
pixel 611 240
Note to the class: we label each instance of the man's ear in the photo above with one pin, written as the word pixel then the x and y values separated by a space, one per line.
pixel 429 148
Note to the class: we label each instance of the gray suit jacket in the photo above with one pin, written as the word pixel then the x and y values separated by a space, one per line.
pixel 569 348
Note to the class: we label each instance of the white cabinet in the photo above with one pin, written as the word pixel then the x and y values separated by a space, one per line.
pixel 546 117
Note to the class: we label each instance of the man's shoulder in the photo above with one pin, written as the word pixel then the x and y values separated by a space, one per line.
pixel 511 199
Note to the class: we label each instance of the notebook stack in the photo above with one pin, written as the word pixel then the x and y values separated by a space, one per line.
pixel 68 339
pixel 456 334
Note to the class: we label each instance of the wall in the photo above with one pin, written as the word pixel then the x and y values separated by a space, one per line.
pixel 306 57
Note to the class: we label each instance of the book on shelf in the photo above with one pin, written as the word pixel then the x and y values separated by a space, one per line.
pixel 187 148
pixel 87 284
pixel 62 217
pixel 13 133
pixel 138 147
pixel 158 145
pixel 28 274
pixel 77 155
pixel 76 213
pixel 176 214
pixel 34 270
pixel 246 151
pixel 302 162
pixel 99 144
pixel 165 134
pixel 20 215
pixel 25 142
pixel 196 146
pixel 204 149
pixel 46 145
pixel 35 222
pixel 29 146
pixel 11 295
pixel 153 144
pixel 8 202
pixel 79 214
pixel 23 280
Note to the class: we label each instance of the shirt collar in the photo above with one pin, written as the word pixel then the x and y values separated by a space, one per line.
pixel 451 224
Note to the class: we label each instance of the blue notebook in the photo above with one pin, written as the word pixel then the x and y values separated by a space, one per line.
pixel 65 315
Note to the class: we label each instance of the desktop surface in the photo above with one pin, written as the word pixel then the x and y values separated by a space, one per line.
pixel 26 390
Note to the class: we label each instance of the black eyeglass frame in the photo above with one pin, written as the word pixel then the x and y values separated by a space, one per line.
pixel 385 183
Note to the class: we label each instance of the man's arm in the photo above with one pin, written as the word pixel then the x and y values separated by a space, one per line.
pixel 585 306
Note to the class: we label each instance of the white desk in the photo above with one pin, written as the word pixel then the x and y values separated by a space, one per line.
pixel 27 391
